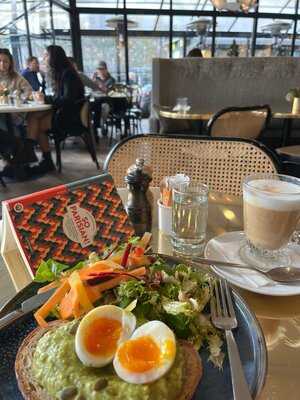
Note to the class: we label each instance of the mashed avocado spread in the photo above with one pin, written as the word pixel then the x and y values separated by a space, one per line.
pixel 56 367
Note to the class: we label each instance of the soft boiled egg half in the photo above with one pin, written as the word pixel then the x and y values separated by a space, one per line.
pixel 100 333
pixel 147 355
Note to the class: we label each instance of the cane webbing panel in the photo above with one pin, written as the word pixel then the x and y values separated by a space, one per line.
pixel 221 164
pixel 242 124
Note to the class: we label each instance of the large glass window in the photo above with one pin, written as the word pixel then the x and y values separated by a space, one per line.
pixel 195 5
pixel 103 40
pixel 233 37
pixel 100 3
pixel 13 33
pixel 148 38
pixel 149 4
pixel 274 38
pixel 191 32
pixel 277 7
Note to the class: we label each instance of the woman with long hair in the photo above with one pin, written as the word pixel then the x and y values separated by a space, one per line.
pixel 68 92
pixel 13 149
pixel 10 80
pixel 11 83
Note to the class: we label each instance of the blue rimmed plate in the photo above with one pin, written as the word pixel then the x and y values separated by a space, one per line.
pixel 215 384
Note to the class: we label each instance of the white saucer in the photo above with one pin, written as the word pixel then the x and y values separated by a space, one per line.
pixel 226 247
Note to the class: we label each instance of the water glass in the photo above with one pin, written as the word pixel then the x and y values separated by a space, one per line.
pixel 182 104
pixel 189 218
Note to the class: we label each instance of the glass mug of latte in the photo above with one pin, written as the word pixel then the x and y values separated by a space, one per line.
pixel 271 214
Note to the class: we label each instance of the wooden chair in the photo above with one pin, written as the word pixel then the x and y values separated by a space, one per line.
pixel 241 122
pixel 83 130
pixel 222 163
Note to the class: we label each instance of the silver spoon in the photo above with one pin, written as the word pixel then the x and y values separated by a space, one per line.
pixel 278 274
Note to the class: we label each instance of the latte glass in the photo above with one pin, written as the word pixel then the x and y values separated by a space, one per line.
pixel 189 217
pixel 271 214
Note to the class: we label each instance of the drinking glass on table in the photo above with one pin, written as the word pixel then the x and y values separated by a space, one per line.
pixel 271 214
pixel 182 105
pixel 38 97
pixel 189 217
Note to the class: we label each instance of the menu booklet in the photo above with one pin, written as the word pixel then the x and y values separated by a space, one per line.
pixel 65 223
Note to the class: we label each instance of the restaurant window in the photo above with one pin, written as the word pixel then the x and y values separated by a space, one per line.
pixel 148 38
pixel 297 42
pixel 102 39
pixel 100 3
pixel 233 37
pixel 13 33
pixel 41 33
pixel 277 7
pixel 62 31
pixel 194 5
pixel 148 4
pixel 192 32
pixel 274 38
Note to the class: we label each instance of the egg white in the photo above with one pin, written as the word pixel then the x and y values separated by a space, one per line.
pixel 159 333
pixel 127 320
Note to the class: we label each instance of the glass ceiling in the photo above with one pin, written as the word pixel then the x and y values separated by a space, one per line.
pixel 266 6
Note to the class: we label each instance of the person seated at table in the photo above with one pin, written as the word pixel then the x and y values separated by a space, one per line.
pixel 103 78
pixel 195 53
pixel 11 83
pixel 68 97
pixel 33 75
pixel 87 82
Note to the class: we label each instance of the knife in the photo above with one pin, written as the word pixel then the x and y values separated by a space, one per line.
pixel 26 307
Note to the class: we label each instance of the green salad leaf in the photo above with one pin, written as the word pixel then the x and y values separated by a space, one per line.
pixel 176 295
pixel 50 270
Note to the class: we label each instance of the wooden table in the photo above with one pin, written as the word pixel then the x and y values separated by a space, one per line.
pixel 8 110
pixel 278 316
pixel 287 117
pixel 24 108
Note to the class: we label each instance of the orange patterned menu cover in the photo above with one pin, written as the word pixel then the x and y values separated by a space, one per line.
pixel 68 222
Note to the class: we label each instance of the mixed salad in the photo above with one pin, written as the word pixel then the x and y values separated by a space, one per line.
pixel 148 286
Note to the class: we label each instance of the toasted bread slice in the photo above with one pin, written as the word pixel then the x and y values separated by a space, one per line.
pixel 32 391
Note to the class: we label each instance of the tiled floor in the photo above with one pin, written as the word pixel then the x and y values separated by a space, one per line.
pixel 77 164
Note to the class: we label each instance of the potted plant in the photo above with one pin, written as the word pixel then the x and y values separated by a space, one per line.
pixel 293 96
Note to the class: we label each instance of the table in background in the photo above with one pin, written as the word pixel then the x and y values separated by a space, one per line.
pixel 287 117
pixel 279 316
pixel 8 110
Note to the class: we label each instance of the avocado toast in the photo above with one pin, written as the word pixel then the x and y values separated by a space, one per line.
pixel 99 384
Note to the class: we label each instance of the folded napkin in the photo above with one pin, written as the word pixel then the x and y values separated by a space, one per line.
pixel 229 251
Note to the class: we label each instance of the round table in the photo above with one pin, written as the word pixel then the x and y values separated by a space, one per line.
pixel 279 317
pixel 24 108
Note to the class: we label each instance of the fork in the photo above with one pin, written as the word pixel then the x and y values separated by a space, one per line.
pixel 223 317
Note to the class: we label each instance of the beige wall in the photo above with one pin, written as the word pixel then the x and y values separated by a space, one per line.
pixel 212 84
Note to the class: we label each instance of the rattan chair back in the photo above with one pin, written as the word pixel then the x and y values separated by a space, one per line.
pixel 220 163
pixel 241 122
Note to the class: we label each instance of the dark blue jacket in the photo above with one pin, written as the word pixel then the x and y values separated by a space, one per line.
pixel 32 78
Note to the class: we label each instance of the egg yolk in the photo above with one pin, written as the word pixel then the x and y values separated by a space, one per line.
pixel 139 355
pixel 102 336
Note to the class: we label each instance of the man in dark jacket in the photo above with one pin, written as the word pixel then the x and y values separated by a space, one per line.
pixel 33 75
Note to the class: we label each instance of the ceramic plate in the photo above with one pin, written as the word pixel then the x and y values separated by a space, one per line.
pixel 226 247
pixel 215 384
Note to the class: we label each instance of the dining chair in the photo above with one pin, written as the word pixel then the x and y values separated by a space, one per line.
pixel 241 122
pixel 82 130
pixel 222 163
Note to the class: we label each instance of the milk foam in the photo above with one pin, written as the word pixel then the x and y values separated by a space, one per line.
pixel 283 196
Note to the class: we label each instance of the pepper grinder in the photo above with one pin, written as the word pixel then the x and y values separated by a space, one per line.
pixel 138 207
